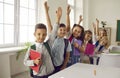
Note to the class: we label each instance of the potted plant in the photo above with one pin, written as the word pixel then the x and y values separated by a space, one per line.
pixel 103 23
pixel 24 50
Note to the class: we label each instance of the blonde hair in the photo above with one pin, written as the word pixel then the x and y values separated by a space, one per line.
pixel 105 38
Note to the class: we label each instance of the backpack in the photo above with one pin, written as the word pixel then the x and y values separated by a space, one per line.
pixel 34 48
pixel 66 45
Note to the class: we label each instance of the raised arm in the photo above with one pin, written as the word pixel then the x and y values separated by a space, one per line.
pixel 58 15
pixel 48 17
pixel 97 27
pixel 53 34
pixel 94 28
pixel 80 19
pixel 68 18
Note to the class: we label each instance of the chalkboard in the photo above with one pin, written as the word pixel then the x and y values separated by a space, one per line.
pixel 118 31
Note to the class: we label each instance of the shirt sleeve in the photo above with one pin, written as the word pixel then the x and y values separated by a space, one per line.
pixel 69 48
pixel 53 34
pixel 27 61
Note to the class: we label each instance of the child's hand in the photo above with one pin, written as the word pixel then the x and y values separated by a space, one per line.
pixel 76 45
pixel 59 13
pixel 97 21
pixel 68 10
pixel 81 18
pixel 94 25
pixel 46 6
pixel 63 67
pixel 37 61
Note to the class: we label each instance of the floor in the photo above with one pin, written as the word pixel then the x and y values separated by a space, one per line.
pixel 22 75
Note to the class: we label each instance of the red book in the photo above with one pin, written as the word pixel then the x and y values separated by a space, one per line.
pixel 34 55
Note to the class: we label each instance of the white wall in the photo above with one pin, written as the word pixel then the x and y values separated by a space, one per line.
pixel 104 10
pixel 53 4
pixel 17 66
pixel 9 65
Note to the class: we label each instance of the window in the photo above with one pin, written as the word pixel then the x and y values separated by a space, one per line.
pixel 76 10
pixel 27 20
pixel 17 21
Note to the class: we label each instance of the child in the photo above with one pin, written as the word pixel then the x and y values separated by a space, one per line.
pixel 46 66
pixel 98 33
pixel 75 37
pixel 60 52
pixel 100 45
pixel 86 55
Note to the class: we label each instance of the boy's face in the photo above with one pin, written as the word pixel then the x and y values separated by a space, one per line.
pixel 61 32
pixel 40 35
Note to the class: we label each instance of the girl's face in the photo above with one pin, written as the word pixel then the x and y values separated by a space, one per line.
pixel 61 32
pixel 102 33
pixel 76 31
pixel 103 41
pixel 88 36
pixel 40 35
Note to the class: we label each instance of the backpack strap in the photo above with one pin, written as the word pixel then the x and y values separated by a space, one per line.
pixel 66 45
pixel 48 48
pixel 70 38
pixel 33 47
pixel 101 47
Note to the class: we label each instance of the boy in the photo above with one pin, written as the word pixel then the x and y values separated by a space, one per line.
pixel 60 47
pixel 46 66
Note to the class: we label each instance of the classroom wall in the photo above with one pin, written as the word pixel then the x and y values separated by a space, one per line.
pixel 53 5
pixel 104 10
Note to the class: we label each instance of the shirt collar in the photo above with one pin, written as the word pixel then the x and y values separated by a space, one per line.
pixel 38 44
pixel 60 38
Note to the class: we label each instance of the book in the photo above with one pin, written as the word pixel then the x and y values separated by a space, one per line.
pixel 34 55
pixel 89 50
pixel 76 51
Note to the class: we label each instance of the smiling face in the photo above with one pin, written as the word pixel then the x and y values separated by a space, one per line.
pixel 88 36
pixel 104 40
pixel 76 31
pixel 61 32
pixel 40 35
pixel 102 33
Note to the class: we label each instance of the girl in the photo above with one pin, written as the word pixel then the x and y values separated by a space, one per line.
pixel 75 37
pixel 87 48
pixel 98 33
pixel 100 45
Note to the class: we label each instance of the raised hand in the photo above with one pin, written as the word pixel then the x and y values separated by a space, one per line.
pixel 81 18
pixel 68 10
pixel 97 21
pixel 46 6
pixel 59 14
pixel 94 25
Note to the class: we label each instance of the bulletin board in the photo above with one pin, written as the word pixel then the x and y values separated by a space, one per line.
pixel 118 31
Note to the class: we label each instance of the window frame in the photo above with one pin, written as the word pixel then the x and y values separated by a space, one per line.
pixel 16 24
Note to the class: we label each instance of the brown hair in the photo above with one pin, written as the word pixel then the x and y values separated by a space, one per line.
pixel 40 26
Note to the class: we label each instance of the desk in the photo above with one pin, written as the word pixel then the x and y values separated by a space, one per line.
pixel 80 70
pixel 110 59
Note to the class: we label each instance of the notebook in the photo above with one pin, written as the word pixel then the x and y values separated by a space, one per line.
pixel 34 55
pixel 76 51
pixel 89 49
